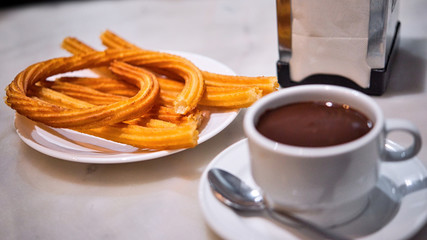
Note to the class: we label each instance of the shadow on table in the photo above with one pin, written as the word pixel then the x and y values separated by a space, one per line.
pixel 421 235
pixel 408 75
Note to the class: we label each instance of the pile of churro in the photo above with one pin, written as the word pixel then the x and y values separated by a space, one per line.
pixel 148 99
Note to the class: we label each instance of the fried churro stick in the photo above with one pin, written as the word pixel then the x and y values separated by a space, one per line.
pixel 151 119
pixel 168 114
pixel 104 90
pixel 146 133
pixel 84 93
pixel 228 97
pixel 74 46
pixel 182 136
pixel 125 104
pixel 112 40
pixel 151 122
pixel 103 84
pixel 56 116
pixel 54 97
pixel 63 98
pixel 266 84
pixel 239 97
pixel 231 96
pixel 194 84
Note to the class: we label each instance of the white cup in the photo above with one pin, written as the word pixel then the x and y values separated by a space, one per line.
pixel 326 185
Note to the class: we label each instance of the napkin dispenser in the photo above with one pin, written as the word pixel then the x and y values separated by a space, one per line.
pixel 349 43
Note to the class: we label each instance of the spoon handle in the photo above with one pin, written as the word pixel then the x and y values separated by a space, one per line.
pixel 280 215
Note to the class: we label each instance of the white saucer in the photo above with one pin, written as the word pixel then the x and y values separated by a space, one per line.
pixel 386 217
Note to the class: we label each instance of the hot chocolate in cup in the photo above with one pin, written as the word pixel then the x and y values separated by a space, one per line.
pixel 327 184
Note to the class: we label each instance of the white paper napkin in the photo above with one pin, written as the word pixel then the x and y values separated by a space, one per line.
pixel 330 37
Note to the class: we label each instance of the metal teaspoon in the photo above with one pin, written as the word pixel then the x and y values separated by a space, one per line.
pixel 236 194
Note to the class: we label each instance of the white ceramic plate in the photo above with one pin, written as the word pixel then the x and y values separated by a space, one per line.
pixel 387 217
pixel 74 146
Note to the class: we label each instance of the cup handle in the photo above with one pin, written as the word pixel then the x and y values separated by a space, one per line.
pixel 405 126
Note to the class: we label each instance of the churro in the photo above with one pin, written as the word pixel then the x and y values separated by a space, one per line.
pixel 102 84
pixel 84 93
pixel 57 116
pixel 238 92
pixel 148 99
pixel 53 97
pixel 181 136
pixel 144 132
pixel 194 85
pixel 266 84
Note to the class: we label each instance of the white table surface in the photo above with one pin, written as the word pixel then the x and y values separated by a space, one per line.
pixel 46 198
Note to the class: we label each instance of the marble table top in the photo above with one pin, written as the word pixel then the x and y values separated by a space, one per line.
pixel 42 197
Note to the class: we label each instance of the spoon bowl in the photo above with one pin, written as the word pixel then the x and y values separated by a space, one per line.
pixel 234 192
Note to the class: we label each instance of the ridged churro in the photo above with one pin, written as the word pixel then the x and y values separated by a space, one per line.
pixel 102 84
pixel 56 98
pixel 232 94
pixel 266 84
pixel 144 98
pixel 181 136
pixel 84 93
pixel 144 132
pixel 76 47
pixel 194 85
pixel 56 116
